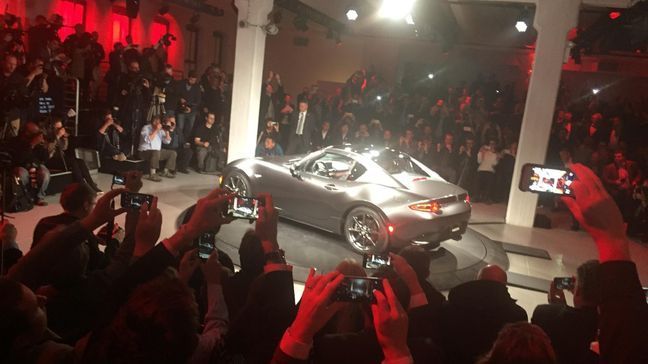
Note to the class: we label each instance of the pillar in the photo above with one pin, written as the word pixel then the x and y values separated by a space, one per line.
pixel 553 19
pixel 248 76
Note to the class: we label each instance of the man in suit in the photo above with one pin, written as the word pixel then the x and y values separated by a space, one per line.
pixel 323 138
pixel 572 329
pixel 302 126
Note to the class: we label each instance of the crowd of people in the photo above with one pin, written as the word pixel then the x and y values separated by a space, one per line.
pixel 140 301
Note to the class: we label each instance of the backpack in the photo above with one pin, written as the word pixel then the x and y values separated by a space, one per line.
pixel 16 198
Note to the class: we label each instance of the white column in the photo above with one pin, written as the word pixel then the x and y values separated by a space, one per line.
pixel 248 76
pixel 553 19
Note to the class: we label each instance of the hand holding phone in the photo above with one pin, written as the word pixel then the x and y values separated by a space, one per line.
pixel 563 283
pixel 243 207
pixel 541 179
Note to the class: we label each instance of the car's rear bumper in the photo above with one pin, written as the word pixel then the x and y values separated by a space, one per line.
pixel 411 227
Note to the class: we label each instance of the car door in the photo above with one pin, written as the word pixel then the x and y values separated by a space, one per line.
pixel 323 190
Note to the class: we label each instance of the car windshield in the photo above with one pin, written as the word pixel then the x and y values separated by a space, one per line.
pixel 394 162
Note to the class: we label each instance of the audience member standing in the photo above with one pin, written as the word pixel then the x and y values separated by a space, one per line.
pixel 204 140
pixel 189 95
pixel 487 159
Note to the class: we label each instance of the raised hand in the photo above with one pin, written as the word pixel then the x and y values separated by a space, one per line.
pixel 209 213
pixel 148 228
pixel 212 269
pixel 315 308
pixel 266 224
pixel 103 212
pixel 390 323
pixel 188 265
pixel 599 215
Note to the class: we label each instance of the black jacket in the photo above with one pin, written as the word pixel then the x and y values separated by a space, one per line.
pixel 473 316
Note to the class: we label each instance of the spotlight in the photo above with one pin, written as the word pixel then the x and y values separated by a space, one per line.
pixel 430 76
pixel 396 9
pixel 595 91
pixel 352 14
pixel 409 20
pixel 521 26
pixel 378 97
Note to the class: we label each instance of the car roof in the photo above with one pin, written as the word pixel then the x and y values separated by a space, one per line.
pixel 354 149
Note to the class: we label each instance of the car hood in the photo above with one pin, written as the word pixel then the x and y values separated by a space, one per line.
pixel 427 187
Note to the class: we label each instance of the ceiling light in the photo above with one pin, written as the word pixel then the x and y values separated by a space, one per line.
pixel 409 20
pixel 352 14
pixel 596 91
pixel 521 26
pixel 430 75
pixel 378 97
pixel 396 9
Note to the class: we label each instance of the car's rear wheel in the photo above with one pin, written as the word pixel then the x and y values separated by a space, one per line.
pixel 237 182
pixel 366 230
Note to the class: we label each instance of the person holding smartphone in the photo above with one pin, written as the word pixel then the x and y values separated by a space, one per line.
pixel 572 328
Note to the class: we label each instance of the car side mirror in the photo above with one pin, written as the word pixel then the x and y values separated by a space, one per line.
pixel 294 172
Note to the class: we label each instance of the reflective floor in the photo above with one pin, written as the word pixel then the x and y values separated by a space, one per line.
pixel 456 262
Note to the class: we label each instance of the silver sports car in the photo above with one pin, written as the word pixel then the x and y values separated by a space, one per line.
pixel 377 198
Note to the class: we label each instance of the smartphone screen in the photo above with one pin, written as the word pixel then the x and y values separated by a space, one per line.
pixel 564 283
pixel 540 179
pixel 357 289
pixel 132 200
pixel 242 207
pixel 206 245
pixel 375 261
pixel 119 180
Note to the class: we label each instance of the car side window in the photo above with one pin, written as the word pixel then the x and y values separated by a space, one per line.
pixel 335 166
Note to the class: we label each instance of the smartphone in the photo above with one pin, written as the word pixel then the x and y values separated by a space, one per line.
pixel 375 261
pixel 119 180
pixel 131 200
pixel 242 207
pixel 357 289
pixel 564 283
pixel 206 245
pixel 541 179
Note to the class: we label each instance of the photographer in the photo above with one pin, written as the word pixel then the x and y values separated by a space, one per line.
pixel 189 95
pixel 150 150
pixel 178 145
pixel 61 158
pixel 206 142
pixel 572 329
pixel 108 138
pixel 135 96
pixel 13 91
pixel 29 155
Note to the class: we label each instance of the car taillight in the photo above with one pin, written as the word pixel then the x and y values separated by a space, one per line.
pixel 391 229
pixel 429 206
pixel 467 199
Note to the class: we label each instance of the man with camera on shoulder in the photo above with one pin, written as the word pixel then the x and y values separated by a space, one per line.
pixel 150 150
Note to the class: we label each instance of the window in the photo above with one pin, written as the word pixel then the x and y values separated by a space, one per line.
pixel 339 167
pixel 73 13
pixel 191 47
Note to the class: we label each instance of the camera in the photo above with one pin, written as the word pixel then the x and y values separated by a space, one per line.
pixel 131 200
pixel 357 289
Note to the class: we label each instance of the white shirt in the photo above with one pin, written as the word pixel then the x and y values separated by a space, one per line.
pixel 146 143
pixel 301 121
pixel 487 160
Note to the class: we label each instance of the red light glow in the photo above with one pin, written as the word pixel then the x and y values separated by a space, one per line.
pixel 615 14
pixel 390 228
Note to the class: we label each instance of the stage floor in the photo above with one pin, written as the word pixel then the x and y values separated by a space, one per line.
pixel 458 261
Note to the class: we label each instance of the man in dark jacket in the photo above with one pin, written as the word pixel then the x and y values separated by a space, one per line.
pixel 29 155
pixel 189 94
pixel 302 126
pixel 572 329
pixel 475 313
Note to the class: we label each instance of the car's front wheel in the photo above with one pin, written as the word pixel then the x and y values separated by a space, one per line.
pixel 366 230
pixel 237 182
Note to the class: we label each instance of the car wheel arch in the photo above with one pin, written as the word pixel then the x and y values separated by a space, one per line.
pixel 233 169
pixel 360 204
